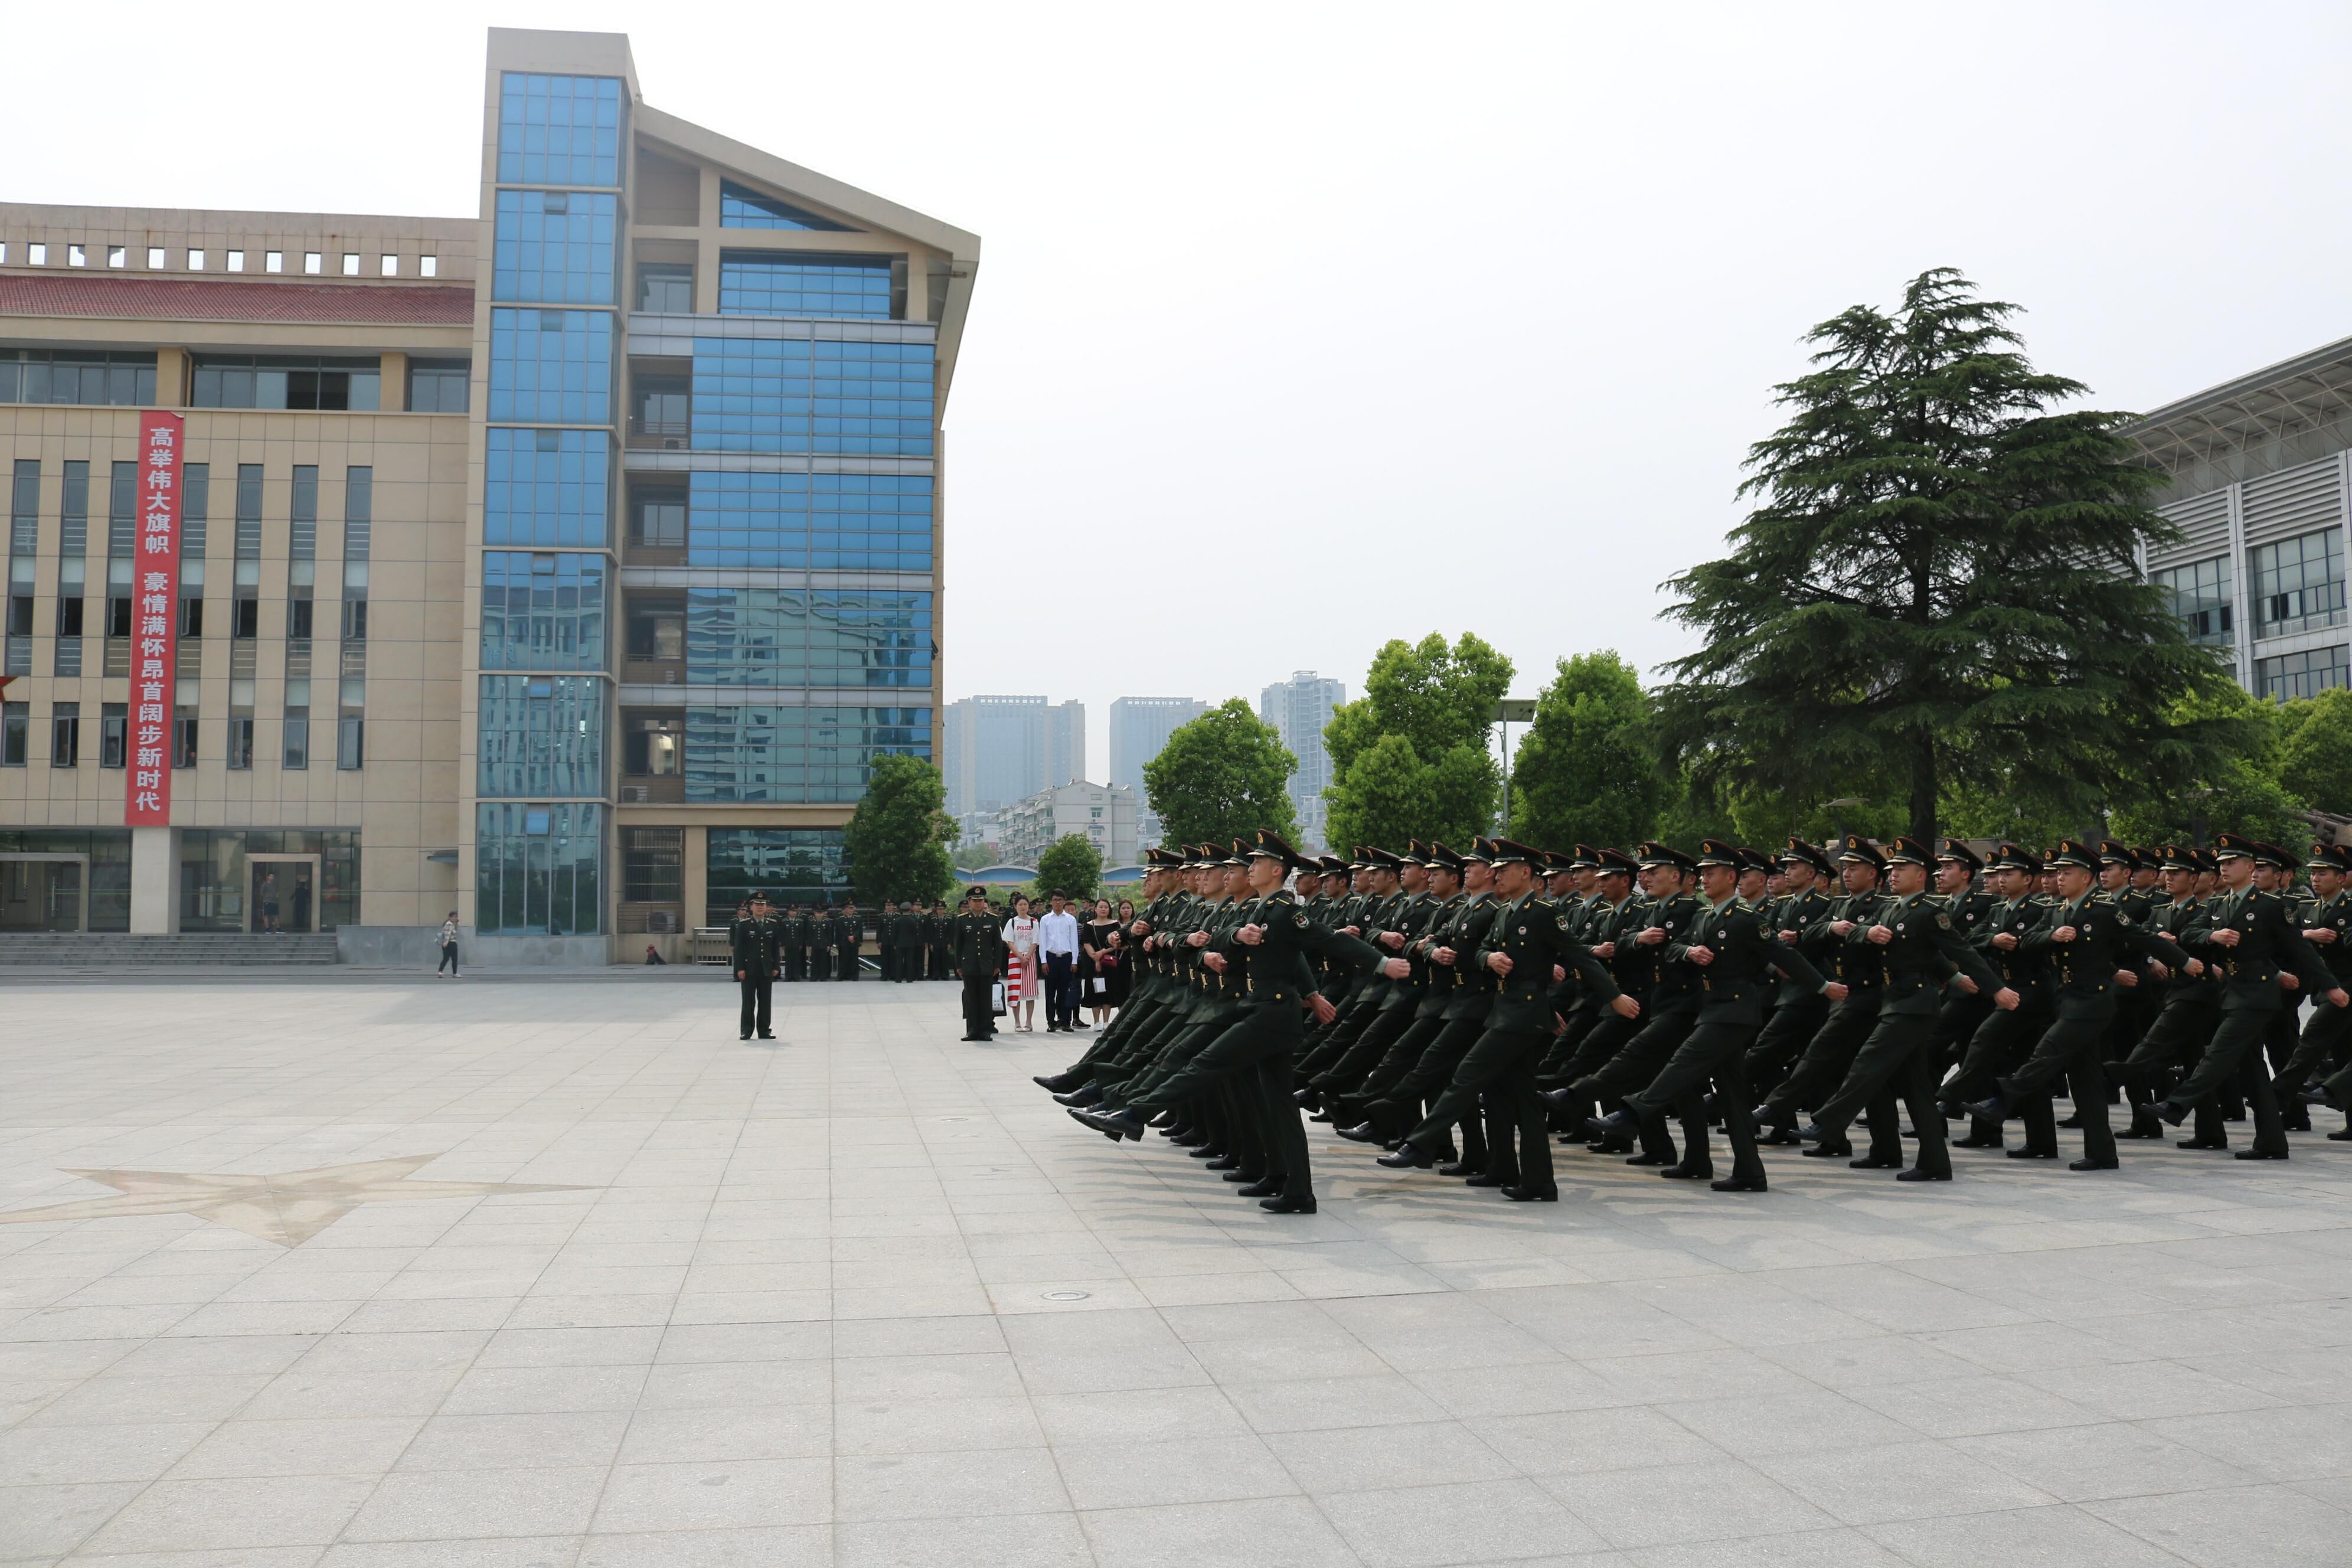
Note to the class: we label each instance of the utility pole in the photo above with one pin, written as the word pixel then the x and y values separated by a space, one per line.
pixel 1509 711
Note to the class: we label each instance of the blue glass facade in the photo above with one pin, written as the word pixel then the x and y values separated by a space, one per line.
pixel 559 130
pixel 796 395
pixel 536 868
pixel 555 246
pixel 546 487
pixel 540 736
pixel 551 367
pixel 773 637
pixel 542 612
pixel 795 754
pixel 811 522
pixel 761 283
pixel 742 209
pixel 791 865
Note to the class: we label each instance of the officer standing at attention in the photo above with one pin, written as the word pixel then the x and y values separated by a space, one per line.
pixel 976 940
pixel 756 944
pixel 907 937
pixel 798 932
pixel 847 933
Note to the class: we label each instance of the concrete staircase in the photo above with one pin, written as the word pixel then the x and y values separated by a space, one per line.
pixel 208 950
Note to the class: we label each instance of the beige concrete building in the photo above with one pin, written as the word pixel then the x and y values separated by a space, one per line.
pixel 1104 815
pixel 565 565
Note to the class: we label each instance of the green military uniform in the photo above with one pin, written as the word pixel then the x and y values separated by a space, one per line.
pixel 800 932
pixel 976 940
pixel 755 946
pixel 907 940
pixel 821 944
pixel 847 937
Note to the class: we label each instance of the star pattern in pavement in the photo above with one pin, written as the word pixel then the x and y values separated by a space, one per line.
pixel 288 1208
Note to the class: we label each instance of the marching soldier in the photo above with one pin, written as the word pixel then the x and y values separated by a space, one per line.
pixel 755 945
pixel 1830 1054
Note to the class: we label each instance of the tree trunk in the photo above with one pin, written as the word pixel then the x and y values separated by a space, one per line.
pixel 1923 792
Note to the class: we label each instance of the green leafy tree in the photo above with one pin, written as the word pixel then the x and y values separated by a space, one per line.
pixel 1936 590
pixel 1221 777
pixel 1410 758
pixel 1071 864
pixel 2242 792
pixel 2314 749
pixel 897 838
pixel 1588 771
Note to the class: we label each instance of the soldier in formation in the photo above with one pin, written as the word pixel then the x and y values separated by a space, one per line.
pixel 1459 1009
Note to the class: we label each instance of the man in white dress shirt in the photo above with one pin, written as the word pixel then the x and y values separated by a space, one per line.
pixel 1057 948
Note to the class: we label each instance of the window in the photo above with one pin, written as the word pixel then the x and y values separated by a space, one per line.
pixel 666 288
pixel 157 259
pixel 2200 593
pixel 559 130
pixel 658 520
pixel 765 755
pixel 555 246
pixel 542 612
pixel 792 864
pixel 192 617
pixel 2304 674
pixel 77 375
pixel 297 756
pixel 76 256
pixel 653 864
pixel 391 267
pixel 799 637
pixel 183 737
pixel 878 523
pixel 118 256
pixel 652 745
pixel 2299 583
pixel 354 619
pixel 536 868
pixel 438 385
pixel 741 209
pixel 65 734
pixel 773 283
pixel 428 267
pixel 15 723
pixel 350 742
pixel 36 255
pixel 541 735
pixel 236 261
pixel 268 381
pixel 656 628
pixel 351 264
pixel 796 394
pixel 273 261
pixel 554 367
pixel 69 614
pixel 113 734
pixel 245 620
pixel 195 261
pixel 546 487
pixel 662 408
pixel 239 753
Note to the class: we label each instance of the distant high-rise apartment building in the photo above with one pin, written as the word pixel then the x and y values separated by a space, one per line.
pixel 1000 750
pixel 1299 709
pixel 1139 726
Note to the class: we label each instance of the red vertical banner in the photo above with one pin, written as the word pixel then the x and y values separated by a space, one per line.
pixel 154 622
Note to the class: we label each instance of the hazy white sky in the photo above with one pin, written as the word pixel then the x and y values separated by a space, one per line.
pixel 1454 317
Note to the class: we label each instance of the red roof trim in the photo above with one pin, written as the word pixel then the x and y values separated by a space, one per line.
pixel 211 300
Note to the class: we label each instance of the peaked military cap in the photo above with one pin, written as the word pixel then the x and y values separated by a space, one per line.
pixel 1270 845
pixel 1236 854
pixel 1809 854
pixel 1413 853
pixel 1334 867
pixel 2009 856
pixel 2235 847
pixel 976 891
pixel 1855 848
pixel 2177 858
pixel 1655 853
pixel 1510 850
pixel 1482 850
pixel 1584 856
pixel 2074 852
pixel 2113 852
pixel 2145 859
pixel 1906 850
pixel 2269 854
pixel 1958 851
pixel 1615 863
pixel 1755 860
pixel 1716 852
pixel 1561 865
pixel 1443 859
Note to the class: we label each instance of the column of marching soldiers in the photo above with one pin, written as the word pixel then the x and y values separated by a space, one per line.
pixel 1460 1010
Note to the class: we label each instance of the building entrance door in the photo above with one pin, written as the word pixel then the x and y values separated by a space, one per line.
pixel 283 893
pixel 44 893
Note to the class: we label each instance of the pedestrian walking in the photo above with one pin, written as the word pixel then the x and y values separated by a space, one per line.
pixel 449 947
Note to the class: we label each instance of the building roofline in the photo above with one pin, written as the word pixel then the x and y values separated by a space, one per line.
pixel 2228 391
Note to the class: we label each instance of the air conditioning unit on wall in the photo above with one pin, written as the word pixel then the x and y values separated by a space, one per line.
pixel 635 795
pixel 661 921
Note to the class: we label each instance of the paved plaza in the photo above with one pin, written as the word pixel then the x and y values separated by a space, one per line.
pixel 377 1273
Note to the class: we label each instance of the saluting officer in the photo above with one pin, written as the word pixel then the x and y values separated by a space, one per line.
pixel 756 945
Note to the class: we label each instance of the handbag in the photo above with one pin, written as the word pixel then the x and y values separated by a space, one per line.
pixel 1098 985
pixel 996 998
